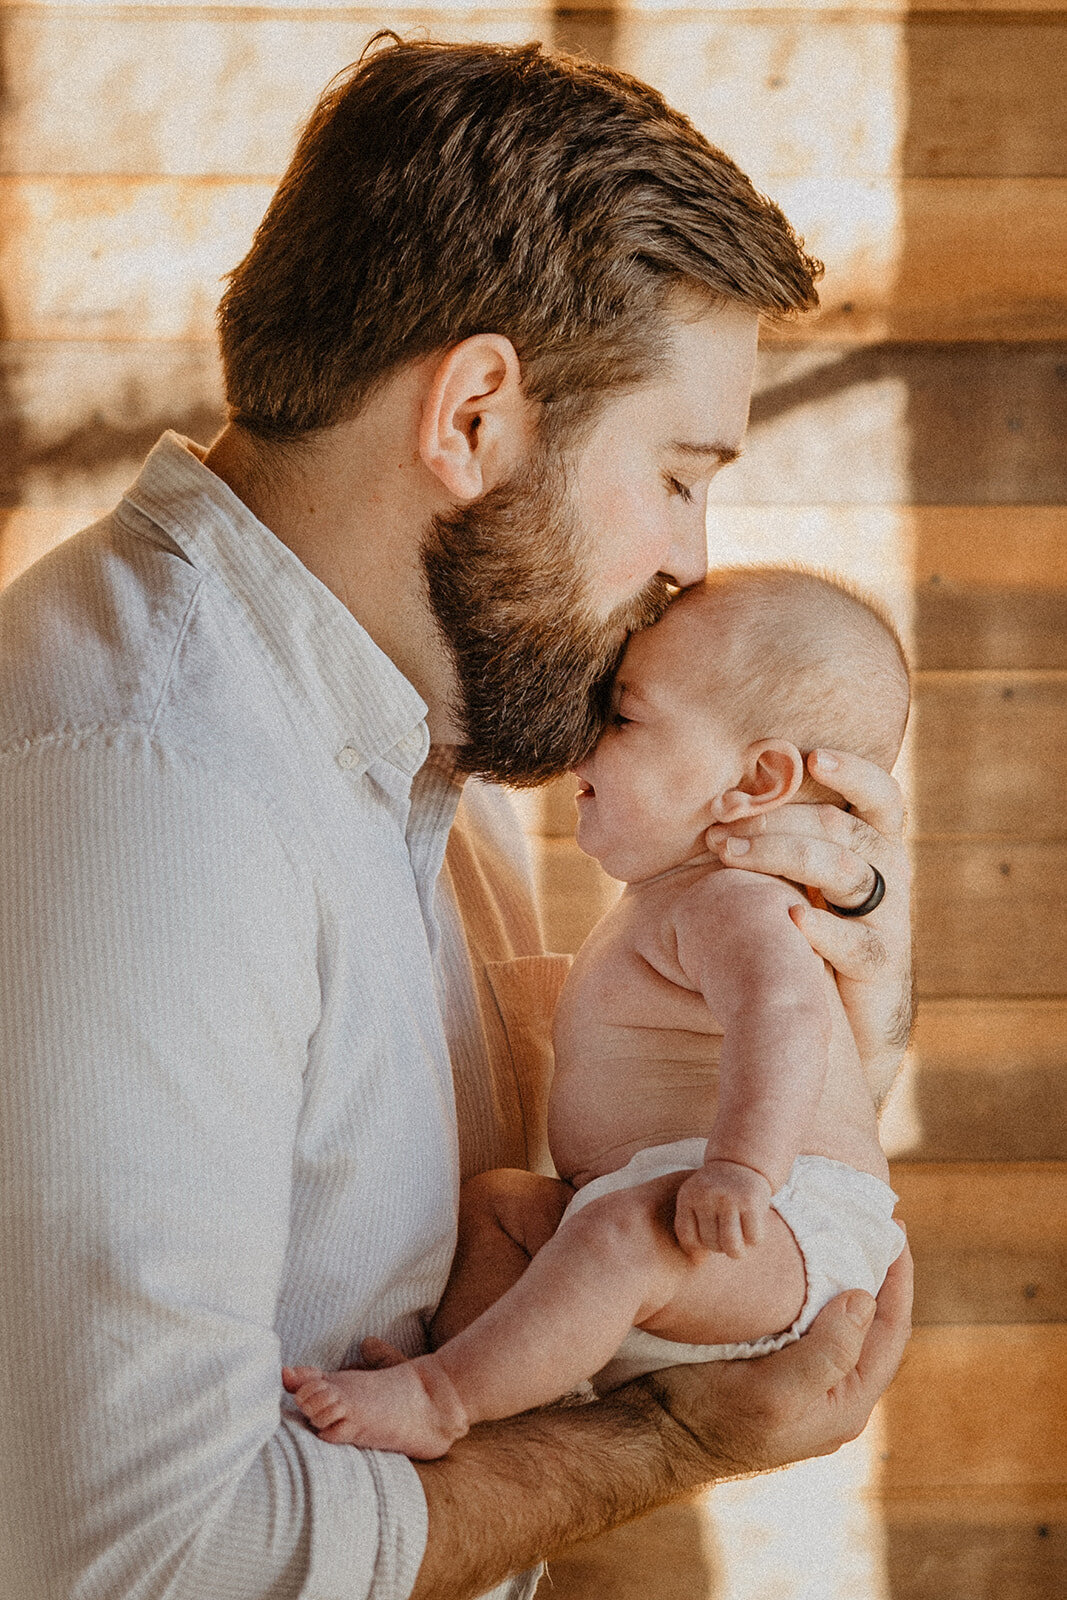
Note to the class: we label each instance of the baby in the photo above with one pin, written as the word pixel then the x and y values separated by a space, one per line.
pixel 709 1108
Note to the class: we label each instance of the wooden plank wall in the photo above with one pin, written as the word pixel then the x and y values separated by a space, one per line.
pixel 912 437
pixel 138 148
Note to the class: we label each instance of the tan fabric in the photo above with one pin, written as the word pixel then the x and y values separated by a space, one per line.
pixel 502 1092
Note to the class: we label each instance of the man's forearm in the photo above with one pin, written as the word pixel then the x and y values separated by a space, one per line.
pixel 514 1492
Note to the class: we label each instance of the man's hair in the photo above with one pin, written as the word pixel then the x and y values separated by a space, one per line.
pixel 805 657
pixel 443 190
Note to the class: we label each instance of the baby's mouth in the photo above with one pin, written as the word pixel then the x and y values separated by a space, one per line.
pixel 585 789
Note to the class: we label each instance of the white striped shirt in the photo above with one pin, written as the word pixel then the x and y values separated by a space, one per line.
pixel 230 972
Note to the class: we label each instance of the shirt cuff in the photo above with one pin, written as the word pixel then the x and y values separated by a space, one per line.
pixel 368 1522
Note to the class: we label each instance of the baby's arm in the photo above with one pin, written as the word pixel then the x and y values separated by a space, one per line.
pixel 738 945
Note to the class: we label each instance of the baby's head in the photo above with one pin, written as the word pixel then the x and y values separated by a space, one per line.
pixel 716 707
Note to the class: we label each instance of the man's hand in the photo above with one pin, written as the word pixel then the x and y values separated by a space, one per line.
pixel 833 852
pixel 723 1206
pixel 806 1400
pixel 514 1491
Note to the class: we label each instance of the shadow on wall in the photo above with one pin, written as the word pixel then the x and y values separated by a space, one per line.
pixel 77 417
pixel 11 432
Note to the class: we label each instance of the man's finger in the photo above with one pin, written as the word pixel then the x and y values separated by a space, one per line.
pixel 853 949
pixel 854 1347
pixel 871 793
pixel 834 870
pixel 829 1353
pixel 890 1331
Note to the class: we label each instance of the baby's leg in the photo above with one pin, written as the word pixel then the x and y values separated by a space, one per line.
pixel 505 1217
pixel 617 1263
pixel 411 1407
pixel 557 1324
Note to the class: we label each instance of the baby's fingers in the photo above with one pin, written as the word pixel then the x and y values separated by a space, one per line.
pixel 732 1240
pixel 687 1229
pixel 753 1226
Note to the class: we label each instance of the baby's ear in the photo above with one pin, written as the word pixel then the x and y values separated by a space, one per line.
pixel 772 772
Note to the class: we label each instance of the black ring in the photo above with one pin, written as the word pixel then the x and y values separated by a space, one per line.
pixel 875 898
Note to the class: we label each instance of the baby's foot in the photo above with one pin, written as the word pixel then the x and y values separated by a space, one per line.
pixel 412 1408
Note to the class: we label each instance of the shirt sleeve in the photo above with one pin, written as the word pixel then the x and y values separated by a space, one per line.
pixel 158 989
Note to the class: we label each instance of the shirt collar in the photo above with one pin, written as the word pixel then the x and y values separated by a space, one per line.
pixel 349 687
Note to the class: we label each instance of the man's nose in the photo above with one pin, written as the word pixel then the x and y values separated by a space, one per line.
pixel 687 558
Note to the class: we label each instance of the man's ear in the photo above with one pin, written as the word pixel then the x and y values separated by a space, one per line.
pixel 772 772
pixel 475 424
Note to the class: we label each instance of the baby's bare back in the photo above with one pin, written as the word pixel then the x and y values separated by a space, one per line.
pixel 638 1047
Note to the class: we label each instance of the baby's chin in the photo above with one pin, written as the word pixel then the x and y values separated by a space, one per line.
pixel 634 863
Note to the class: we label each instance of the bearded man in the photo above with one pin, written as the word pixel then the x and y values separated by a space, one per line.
pixel 493 339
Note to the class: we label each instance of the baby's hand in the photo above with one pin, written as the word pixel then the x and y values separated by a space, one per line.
pixel 723 1206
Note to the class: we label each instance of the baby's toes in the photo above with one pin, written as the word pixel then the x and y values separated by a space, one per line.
pixel 316 1397
pixel 293 1378
pixel 328 1409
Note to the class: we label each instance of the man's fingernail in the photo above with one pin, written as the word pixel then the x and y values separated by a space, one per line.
pixel 825 761
pixel 737 847
pixel 859 1309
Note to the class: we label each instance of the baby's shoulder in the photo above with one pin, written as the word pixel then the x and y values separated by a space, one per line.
pixel 730 892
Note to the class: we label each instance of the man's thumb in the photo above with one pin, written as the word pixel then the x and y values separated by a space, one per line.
pixel 831 1348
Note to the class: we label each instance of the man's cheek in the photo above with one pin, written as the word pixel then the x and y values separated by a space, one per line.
pixel 633 547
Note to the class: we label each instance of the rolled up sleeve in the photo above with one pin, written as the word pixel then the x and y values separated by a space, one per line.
pixel 158 989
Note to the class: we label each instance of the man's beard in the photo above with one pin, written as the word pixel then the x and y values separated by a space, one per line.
pixel 534 669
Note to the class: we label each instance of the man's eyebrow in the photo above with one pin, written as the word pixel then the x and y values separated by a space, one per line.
pixel 630 689
pixel 725 452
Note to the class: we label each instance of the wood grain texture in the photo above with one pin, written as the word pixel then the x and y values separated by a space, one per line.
pixel 28 533
pixel 974 1552
pixel 960 1415
pixel 77 419
pixel 934 258
pixel 173 89
pixel 990 586
pixel 988 754
pixel 788 92
pixel 807 8
pixel 989 918
pixel 989 1240
pixel 952 1549
pixel 142 256
pixel 956 424
pixel 990 1509
pixel 802 92
pixel 969 587
pixel 985 94
pixel 984 1080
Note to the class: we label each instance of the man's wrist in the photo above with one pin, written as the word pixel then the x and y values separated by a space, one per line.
pixel 517 1492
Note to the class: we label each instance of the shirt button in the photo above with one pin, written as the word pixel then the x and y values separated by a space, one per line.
pixel 348 758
